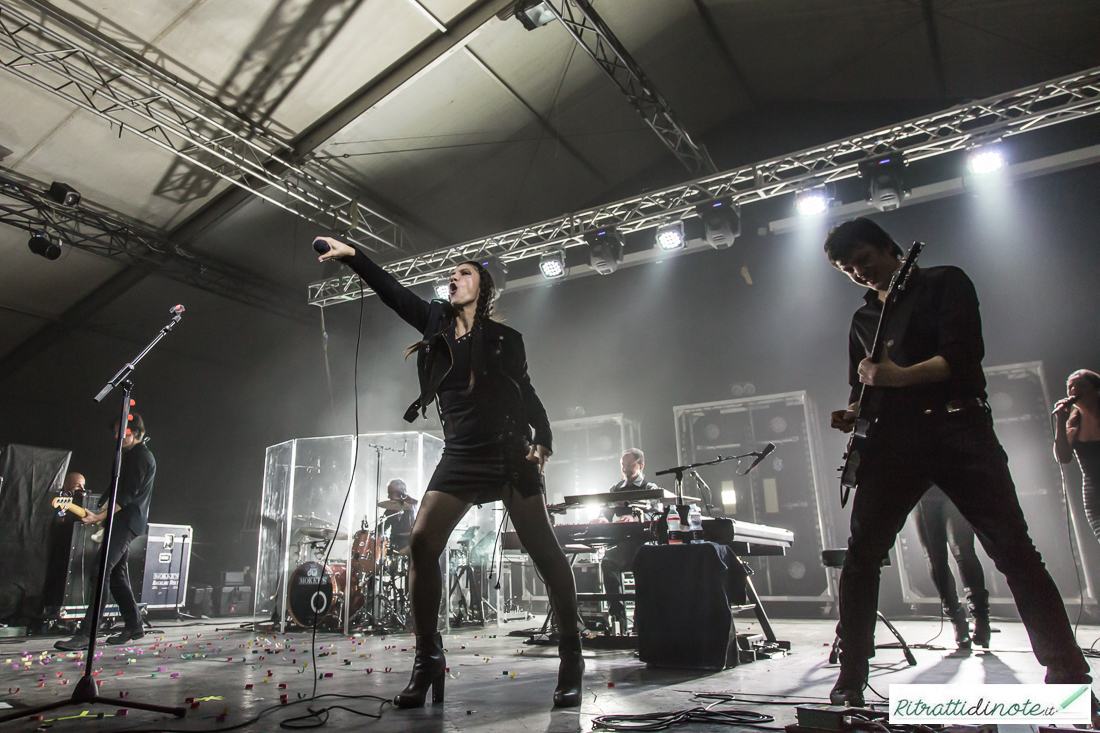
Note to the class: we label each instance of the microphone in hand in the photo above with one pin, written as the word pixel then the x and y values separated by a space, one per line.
pixel 761 456
pixel 320 246
pixel 1064 405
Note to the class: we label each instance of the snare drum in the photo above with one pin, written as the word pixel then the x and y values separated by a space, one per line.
pixel 307 596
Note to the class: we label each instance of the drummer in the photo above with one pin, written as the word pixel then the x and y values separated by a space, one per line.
pixel 399 521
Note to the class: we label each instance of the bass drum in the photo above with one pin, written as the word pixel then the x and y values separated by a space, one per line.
pixel 308 597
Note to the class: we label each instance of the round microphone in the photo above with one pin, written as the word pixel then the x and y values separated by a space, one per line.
pixel 176 310
pixel 320 246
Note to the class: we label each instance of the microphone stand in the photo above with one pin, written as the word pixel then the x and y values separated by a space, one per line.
pixel 681 508
pixel 86 691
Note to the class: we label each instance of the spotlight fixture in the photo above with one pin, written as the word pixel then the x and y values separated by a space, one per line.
pixel 41 244
pixel 721 222
pixel 64 194
pixel 883 181
pixel 498 268
pixel 670 236
pixel 533 14
pixel 443 289
pixel 812 201
pixel 605 250
pixel 552 264
pixel 985 160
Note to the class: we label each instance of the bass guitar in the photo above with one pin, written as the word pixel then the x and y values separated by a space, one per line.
pixel 869 403
pixel 64 503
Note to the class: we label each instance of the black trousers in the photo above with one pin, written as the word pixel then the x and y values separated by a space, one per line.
pixel 617 560
pixel 960 453
pixel 118 581
pixel 941 526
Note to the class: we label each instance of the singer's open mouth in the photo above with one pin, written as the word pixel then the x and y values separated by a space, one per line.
pixel 453 288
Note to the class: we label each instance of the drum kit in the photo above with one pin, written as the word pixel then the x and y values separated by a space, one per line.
pixel 373 584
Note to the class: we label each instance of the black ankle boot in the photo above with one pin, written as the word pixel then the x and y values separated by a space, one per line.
pixel 962 626
pixel 848 690
pixel 429 670
pixel 979 609
pixel 570 672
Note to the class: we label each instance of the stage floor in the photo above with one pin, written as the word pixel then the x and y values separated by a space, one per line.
pixel 496 682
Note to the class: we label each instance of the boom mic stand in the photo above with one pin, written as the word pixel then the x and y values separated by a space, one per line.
pixel 86 691
pixel 681 508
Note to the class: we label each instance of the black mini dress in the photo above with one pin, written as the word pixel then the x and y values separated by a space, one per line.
pixel 482 454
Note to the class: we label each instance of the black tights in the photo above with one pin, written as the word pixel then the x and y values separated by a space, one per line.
pixel 440 513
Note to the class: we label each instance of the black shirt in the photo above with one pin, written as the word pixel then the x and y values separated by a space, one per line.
pixel 622 508
pixel 472 420
pixel 936 315
pixel 135 489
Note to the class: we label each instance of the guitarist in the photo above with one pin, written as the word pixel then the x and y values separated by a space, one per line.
pixel 932 426
pixel 135 490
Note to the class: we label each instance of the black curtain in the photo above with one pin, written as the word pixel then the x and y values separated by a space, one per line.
pixel 29 477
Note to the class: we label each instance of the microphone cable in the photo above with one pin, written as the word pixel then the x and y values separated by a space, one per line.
pixel 317 717
pixel 1071 533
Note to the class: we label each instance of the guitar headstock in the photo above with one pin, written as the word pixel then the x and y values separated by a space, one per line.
pixel 900 278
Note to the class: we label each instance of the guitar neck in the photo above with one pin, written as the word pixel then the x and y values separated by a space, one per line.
pixel 77 510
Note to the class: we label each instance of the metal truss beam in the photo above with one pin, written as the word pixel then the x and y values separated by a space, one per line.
pixel 595 37
pixel 958 128
pixel 432 52
pixel 26 206
pixel 93 74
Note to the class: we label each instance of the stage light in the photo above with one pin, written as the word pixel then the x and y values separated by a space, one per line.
pixel 41 244
pixel 812 201
pixel 552 265
pixel 983 161
pixel 498 268
pixel 721 222
pixel 64 194
pixel 670 236
pixel 605 250
pixel 883 181
pixel 443 289
pixel 533 14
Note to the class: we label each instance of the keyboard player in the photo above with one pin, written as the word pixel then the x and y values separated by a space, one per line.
pixel 620 558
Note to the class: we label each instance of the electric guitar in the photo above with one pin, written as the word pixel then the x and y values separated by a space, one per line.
pixel 869 404
pixel 64 503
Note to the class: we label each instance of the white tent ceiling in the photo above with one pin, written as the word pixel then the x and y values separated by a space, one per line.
pixel 460 149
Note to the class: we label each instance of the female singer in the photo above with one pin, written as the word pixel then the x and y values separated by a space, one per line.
pixel 475 369
pixel 1077 430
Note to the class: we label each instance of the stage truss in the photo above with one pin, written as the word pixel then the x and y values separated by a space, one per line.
pixel 959 128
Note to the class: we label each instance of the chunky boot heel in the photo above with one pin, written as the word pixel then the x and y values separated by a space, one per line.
pixel 429 670
pixel 962 627
pixel 570 673
pixel 979 609
pixel 848 690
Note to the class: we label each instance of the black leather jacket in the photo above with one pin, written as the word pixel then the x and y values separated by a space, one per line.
pixel 503 353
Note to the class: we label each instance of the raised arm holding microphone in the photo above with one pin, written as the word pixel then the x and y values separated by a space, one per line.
pixel 496 440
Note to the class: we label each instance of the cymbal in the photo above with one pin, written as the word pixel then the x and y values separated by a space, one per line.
pixel 312 519
pixel 323 533
pixel 403 504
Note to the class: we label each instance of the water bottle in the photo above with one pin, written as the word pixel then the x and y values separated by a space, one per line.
pixel 695 520
pixel 675 534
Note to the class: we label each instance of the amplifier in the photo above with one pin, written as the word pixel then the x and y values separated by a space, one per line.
pixel 233 600
pixel 201 602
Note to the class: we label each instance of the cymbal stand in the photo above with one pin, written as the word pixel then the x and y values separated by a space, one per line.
pixel 378 450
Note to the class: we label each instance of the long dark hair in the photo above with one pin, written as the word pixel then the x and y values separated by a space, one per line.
pixel 486 305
